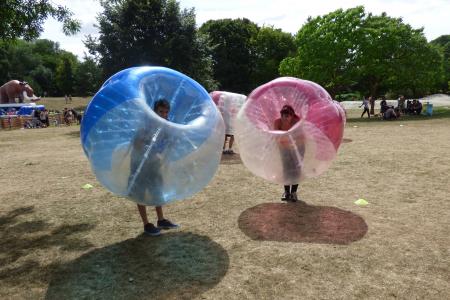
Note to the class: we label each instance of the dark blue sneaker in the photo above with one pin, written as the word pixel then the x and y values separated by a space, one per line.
pixel 286 197
pixel 166 224
pixel 294 197
pixel 151 230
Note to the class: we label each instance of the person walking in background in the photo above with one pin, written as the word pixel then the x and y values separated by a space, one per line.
pixel 401 104
pixel 365 103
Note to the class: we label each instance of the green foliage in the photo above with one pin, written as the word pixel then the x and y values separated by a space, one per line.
pixel 356 96
pixel 395 57
pixel 65 73
pixel 24 18
pixel 327 49
pixel 443 45
pixel 271 47
pixel 87 77
pixel 48 69
pixel 350 50
pixel 245 56
pixel 232 52
pixel 153 32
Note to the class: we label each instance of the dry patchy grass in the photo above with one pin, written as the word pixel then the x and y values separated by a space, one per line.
pixel 58 103
pixel 238 240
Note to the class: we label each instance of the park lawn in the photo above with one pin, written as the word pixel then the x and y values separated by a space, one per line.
pixel 237 240
pixel 59 103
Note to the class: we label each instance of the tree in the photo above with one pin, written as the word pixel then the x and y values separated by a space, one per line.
pixel 88 77
pixel 233 52
pixel 395 57
pixel 65 73
pixel 43 65
pixel 349 50
pixel 443 43
pixel 327 49
pixel 153 32
pixel 24 18
pixel 271 47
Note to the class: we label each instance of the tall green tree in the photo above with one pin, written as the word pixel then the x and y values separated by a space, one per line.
pixel 88 77
pixel 65 73
pixel 49 55
pixel 443 42
pixel 48 69
pixel 349 50
pixel 150 32
pixel 233 52
pixel 271 47
pixel 25 18
pixel 327 49
pixel 393 56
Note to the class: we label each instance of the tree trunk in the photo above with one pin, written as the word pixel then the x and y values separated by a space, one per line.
pixel 373 93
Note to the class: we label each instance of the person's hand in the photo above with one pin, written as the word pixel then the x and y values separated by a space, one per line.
pixel 284 141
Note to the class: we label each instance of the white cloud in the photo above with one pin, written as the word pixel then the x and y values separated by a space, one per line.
pixel 289 15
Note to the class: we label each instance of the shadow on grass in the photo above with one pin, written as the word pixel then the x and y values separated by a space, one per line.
pixel 74 134
pixel 438 113
pixel 230 159
pixel 300 222
pixel 20 242
pixel 173 265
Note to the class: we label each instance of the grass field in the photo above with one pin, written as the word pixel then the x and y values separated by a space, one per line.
pixel 237 240
pixel 59 103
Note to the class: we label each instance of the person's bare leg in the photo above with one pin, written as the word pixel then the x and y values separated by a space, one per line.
pixel 159 213
pixel 224 143
pixel 143 212
pixel 230 143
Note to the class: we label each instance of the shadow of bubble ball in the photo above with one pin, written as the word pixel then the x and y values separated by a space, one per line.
pixel 174 265
pixel 347 140
pixel 230 159
pixel 299 222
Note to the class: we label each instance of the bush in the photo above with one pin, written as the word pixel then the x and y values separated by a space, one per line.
pixel 349 96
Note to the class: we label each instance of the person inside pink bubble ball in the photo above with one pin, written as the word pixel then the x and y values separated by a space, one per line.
pixel 287 120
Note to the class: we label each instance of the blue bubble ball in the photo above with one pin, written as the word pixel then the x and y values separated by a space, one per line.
pixel 137 154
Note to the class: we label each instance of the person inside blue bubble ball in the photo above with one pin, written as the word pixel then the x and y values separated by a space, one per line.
pixel 147 171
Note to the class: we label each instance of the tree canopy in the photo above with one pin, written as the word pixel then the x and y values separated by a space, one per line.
pixel 25 19
pixel 443 43
pixel 245 55
pixel 345 51
pixel 48 69
pixel 351 50
pixel 153 32
pixel 232 48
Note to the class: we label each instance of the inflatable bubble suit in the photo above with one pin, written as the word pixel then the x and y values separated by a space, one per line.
pixel 229 105
pixel 136 153
pixel 307 149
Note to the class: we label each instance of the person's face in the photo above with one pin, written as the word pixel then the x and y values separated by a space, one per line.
pixel 286 117
pixel 163 112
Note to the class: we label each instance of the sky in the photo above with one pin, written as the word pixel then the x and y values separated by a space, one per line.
pixel 288 15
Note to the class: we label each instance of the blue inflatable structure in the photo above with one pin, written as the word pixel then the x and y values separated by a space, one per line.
pixel 137 154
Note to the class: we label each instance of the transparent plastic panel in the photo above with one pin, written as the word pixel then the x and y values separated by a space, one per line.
pixel 229 105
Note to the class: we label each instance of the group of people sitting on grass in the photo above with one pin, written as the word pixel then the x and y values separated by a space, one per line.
pixel 389 112
pixel 39 119
pixel 71 115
